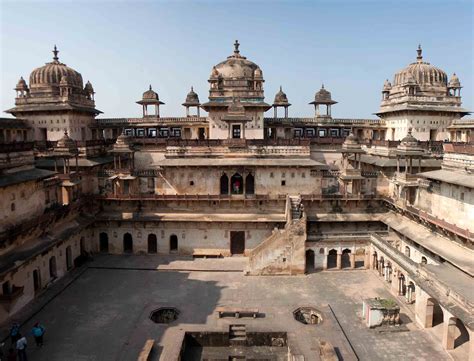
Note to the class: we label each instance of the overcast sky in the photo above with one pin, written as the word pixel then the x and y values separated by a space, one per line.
pixel 123 46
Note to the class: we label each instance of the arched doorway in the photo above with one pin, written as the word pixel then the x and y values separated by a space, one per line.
pixel 332 259
pixel 127 243
pixel 236 183
pixel 68 258
pixel 457 334
pixel 346 258
pixel 309 261
pixel 36 280
pixel 104 242
pixel 401 285
pixel 410 293
pixel 237 242
pixel 52 267
pixel 360 258
pixel 249 184
pixel 434 313
pixel 152 243
pixel 224 184
pixel 173 243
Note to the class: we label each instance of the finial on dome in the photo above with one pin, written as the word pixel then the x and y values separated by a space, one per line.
pixel 55 52
pixel 150 87
pixel 280 88
pixel 236 47
pixel 192 88
pixel 322 86
pixel 419 51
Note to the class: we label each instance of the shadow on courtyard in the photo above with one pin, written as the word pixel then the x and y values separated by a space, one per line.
pixel 104 314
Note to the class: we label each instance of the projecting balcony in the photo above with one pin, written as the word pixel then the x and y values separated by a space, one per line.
pixel 8 300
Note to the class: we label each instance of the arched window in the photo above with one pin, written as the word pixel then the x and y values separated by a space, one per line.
pixel 152 243
pixel 249 184
pixel 68 258
pixel 104 242
pixel 52 267
pixel 407 251
pixel 236 183
pixel 127 243
pixel 424 260
pixel 224 184
pixel 36 280
pixel 173 243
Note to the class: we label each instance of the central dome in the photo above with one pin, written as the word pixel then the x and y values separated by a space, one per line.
pixel 51 74
pixel 236 66
pixel 422 73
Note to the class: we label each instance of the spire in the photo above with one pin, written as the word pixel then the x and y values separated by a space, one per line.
pixel 55 52
pixel 322 86
pixel 280 88
pixel 192 88
pixel 236 47
pixel 150 87
pixel 419 51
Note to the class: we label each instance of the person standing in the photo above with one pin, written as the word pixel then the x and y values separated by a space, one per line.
pixel 38 332
pixel 15 333
pixel 21 348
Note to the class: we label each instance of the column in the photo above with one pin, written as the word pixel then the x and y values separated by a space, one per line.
pixel 449 328
pixel 339 261
pixel 353 260
pixel 325 260
pixel 367 259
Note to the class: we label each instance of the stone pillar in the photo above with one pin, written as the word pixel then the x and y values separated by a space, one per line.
pixel 353 260
pixel 339 261
pixel 325 261
pixel 367 260
pixel 449 331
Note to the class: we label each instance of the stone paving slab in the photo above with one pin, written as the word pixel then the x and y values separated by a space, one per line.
pixel 103 314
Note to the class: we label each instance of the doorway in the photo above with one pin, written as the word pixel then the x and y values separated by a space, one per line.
pixel 237 242
pixel 173 243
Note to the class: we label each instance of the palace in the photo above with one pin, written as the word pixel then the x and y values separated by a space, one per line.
pixel 393 194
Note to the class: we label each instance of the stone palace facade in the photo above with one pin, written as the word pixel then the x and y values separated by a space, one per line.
pixel 393 194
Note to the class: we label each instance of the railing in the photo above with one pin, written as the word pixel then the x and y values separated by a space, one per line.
pixel 14 294
pixel 56 212
pixel 325 120
pixel 148 119
pixel 177 142
pixel 463 148
pixel 430 218
pixel 190 197
pixel 16 147
pixel 137 173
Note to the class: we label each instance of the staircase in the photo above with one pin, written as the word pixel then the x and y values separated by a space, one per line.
pixel 296 207
pixel 237 335
pixel 283 252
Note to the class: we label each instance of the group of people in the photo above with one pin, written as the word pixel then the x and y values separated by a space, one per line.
pixel 19 343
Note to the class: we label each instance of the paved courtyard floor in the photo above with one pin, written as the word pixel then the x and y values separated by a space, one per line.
pixel 103 314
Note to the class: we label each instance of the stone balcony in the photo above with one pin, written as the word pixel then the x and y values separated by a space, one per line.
pixel 8 300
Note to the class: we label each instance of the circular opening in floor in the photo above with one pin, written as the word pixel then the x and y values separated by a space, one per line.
pixel 164 315
pixel 308 315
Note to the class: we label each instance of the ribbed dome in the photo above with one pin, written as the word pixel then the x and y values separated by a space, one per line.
pixel 89 88
pixel 409 139
pixel 387 85
pixel 323 97
pixel 21 85
pixel 51 74
pixel 66 145
pixel 236 66
pixel 150 94
pixel 280 97
pixel 454 81
pixel 422 73
pixel 192 97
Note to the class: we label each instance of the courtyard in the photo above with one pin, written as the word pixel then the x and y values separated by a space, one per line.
pixel 104 313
